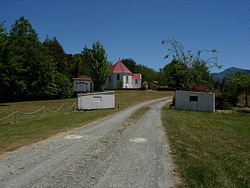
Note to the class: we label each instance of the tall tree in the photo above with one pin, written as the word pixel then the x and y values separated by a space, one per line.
pixel 98 65
pixel 77 66
pixel 56 51
pixel 3 62
pixel 130 63
pixel 22 58
pixel 31 69
pixel 197 72
pixel 175 74
pixel 148 74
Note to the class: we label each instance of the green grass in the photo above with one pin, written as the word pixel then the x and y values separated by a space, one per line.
pixel 209 149
pixel 33 128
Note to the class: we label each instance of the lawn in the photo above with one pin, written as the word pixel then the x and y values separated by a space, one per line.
pixel 34 128
pixel 209 149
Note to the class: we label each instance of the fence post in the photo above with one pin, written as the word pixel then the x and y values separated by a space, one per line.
pixel 15 116
pixel 44 109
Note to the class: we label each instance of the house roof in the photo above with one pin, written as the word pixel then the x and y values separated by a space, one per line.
pixel 82 78
pixel 119 67
pixel 136 76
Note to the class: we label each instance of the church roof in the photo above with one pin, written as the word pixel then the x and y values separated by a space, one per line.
pixel 119 67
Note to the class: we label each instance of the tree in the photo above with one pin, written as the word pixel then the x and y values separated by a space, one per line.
pixel 201 79
pixel 175 74
pixel 3 62
pixel 148 74
pixel 3 41
pixel 196 74
pixel 56 51
pixel 242 81
pixel 98 65
pixel 30 68
pixel 23 49
pixel 77 66
pixel 131 64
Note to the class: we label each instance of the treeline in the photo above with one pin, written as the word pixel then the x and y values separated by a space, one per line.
pixel 190 71
pixel 34 70
pixel 30 69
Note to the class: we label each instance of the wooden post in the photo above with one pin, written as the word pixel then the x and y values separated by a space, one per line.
pixel 15 116
pixel 44 109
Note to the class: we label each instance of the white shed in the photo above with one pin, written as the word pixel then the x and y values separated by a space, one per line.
pixel 196 101
pixel 101 100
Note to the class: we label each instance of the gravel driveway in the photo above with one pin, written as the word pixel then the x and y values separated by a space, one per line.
pixel 103 154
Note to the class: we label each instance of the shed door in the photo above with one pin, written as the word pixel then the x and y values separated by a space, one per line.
pixel 194 102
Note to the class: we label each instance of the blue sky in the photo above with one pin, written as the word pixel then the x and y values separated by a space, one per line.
pixel 135 28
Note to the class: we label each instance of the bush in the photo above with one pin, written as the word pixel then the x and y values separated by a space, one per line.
pixel 226 101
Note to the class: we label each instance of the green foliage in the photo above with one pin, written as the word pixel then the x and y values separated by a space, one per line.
pixel 3 59
pixel 241 80
pixel 56 51
pixel 175 74
pixel 23 50
pixel 27 69
pixel 131 64
pixel 188 70
pixel 63 85
pixel 98 65
pixel 148 74
pixel 77 66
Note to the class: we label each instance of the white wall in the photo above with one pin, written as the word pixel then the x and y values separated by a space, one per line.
pixel 138 84
pixel 127 81
pixel 186 100
pixel 100 100
pixel 112 81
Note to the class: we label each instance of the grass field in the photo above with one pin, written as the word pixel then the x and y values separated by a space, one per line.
pixel 209 149
pixel 34 128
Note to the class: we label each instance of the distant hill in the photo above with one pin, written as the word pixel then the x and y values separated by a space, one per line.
pixel 220 75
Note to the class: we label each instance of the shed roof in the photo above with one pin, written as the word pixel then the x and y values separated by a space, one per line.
pixel 82 78
pixel 119 67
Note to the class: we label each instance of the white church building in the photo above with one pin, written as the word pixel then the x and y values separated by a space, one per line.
pixel 122 77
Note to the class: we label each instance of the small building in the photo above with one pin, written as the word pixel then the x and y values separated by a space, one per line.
pixel 122 77
pixel 82 84
pixel 196 101
pixel 100 100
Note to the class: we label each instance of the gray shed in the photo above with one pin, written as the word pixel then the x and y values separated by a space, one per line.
pixel 196 101
pixel 100 100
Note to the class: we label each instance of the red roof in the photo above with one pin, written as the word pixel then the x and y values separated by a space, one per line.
pixel 136 76
pixel 119 67
pixel 83 78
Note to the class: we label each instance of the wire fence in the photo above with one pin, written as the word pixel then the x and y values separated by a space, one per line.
pixel 15 115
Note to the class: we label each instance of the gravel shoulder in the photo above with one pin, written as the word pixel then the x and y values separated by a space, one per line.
pixel 98 155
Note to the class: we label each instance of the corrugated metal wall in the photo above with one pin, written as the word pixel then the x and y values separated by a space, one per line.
pixel 196 101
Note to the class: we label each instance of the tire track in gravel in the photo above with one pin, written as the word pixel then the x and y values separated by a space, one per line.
pixel 99 155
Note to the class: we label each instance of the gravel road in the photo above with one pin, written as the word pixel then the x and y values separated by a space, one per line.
pixel 103 154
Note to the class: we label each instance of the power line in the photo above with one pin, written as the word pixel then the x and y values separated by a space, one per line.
pixel 238 38
pixel 236 30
